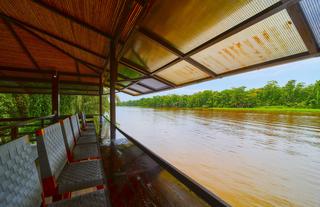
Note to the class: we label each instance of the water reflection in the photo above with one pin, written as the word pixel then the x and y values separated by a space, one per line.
pixel 134 179
pixel 249 159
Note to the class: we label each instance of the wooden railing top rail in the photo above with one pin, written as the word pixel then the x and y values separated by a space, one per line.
pixel 25 122
pixel 9 127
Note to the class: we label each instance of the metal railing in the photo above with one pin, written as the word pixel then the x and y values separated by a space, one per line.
pixel 194 186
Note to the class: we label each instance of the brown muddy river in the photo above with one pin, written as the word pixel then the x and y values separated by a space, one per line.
pixel 246 158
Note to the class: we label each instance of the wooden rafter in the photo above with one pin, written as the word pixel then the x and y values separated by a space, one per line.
pixel 167 46
pixel 72 19
pixel 148 87
pixel 139 69
pixel 16 22
pixel 72 44
pixel 58 48
pixel 133 79
pixel 127 87
pixel 21 43
pixel 146 5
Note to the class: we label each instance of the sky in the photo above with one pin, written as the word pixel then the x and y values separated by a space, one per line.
pixel 307 71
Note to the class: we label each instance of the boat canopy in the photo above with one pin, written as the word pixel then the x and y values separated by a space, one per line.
pixel 158 44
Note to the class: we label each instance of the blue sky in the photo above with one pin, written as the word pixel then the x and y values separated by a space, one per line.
pixel 307 71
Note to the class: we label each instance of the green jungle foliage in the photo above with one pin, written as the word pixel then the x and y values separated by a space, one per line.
pixel 36 105
pixel 292 94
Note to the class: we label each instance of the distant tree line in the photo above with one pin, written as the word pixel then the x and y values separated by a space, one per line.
pixel 36 105
pixel 292 94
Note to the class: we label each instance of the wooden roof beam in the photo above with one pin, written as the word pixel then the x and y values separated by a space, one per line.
pixel 133 82
pixel 303 27
pixel 139 69
pixel 146 5
pixel 133 79
pixel 148 87
pixel 133 66
pixel 167 46
pixel 44 71
pixel 127 87
pixel 45 88
pixel 44 80
pixel 279 61
pixel 173 62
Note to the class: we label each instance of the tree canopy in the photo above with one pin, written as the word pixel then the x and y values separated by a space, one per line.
pixel 36 105
pixel 292 94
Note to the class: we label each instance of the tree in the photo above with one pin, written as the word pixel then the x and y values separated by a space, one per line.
pixel 293 94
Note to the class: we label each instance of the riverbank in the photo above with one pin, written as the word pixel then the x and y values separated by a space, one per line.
pixel 278 109
pixel 268 109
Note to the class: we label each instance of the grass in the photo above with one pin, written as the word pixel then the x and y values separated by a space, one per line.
pixel 269 109
pixel 278 109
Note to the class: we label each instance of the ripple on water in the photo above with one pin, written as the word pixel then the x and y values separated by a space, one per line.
pixel 249 159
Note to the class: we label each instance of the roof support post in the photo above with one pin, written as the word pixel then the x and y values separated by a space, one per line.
pixel 100 100
pixel 55 96
pixel 113 80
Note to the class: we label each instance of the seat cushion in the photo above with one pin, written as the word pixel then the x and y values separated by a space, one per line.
pixel 88 132
pixel 80 175
pixel 94 199
pixel 90 125
pixel 85 151
pixel 87 139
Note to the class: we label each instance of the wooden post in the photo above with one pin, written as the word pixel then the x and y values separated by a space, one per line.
pixel 100 99
pixel 113 79
pixel 55 96
pixel 42 123
pixel 14 133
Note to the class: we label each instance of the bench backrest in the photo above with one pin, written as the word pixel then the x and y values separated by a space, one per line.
pixel 67 134
pixel 19 180
pixel 52 150
pixel 75 126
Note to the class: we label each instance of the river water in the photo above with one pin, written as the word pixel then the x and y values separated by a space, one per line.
pixel 246 158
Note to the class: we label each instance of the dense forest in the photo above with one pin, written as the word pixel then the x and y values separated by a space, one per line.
pixel 36 105
pixel 292 94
